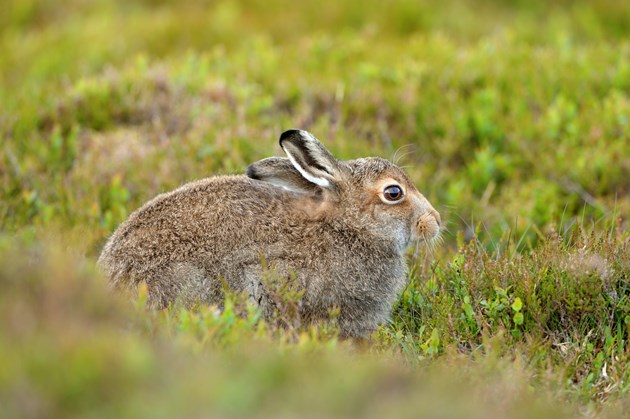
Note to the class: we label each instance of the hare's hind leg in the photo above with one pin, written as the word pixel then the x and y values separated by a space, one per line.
pixel 360 321
pixel 273 288
pixel 189 284
pixel 253 284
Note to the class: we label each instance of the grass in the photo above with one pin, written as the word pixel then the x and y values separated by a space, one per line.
pixel 512 118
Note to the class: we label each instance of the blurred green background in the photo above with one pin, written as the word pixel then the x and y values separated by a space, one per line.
pixel 512 117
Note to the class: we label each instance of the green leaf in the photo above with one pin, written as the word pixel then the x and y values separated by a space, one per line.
pixel 518 318
pixel 468 310
pixel 517 305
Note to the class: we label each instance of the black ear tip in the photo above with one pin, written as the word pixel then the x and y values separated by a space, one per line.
pixel 290 134
pixel 251 172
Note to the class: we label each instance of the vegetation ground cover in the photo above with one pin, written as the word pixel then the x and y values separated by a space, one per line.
pixel 512 118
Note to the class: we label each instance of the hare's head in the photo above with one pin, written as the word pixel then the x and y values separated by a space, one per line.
pixel 370 193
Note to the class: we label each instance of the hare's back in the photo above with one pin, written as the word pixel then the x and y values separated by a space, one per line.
pixel 221 197
pixel 212 217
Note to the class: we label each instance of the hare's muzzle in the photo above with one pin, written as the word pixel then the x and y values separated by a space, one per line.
pixel 428 226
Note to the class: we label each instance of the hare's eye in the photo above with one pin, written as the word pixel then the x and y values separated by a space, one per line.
pixel 393 193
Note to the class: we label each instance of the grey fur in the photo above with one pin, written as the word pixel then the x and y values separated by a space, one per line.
pixel 343 242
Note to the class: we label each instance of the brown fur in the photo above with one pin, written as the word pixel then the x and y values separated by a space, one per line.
pixel 343 242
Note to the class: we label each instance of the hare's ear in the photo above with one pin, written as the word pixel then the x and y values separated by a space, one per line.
pixel 310 157
pixel 281 172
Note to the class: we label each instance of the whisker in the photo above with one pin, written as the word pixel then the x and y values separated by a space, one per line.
pixel 395 158
pixel 444 229
pixel 432 246
pixel 416 250
pixel 402 156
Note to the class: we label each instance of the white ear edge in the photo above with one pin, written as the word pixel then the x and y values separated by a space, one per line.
pixel 316 180
pixel 281 183
pixel 307 135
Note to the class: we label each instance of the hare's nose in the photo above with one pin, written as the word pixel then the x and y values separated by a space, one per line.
pixel 437 217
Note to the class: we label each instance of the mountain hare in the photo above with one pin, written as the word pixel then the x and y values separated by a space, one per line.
pixel 338 228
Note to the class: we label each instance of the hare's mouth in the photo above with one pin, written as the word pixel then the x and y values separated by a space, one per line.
pixel 428 226
pixel 428 231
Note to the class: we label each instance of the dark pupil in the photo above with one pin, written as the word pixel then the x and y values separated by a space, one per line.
pixel 393 193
